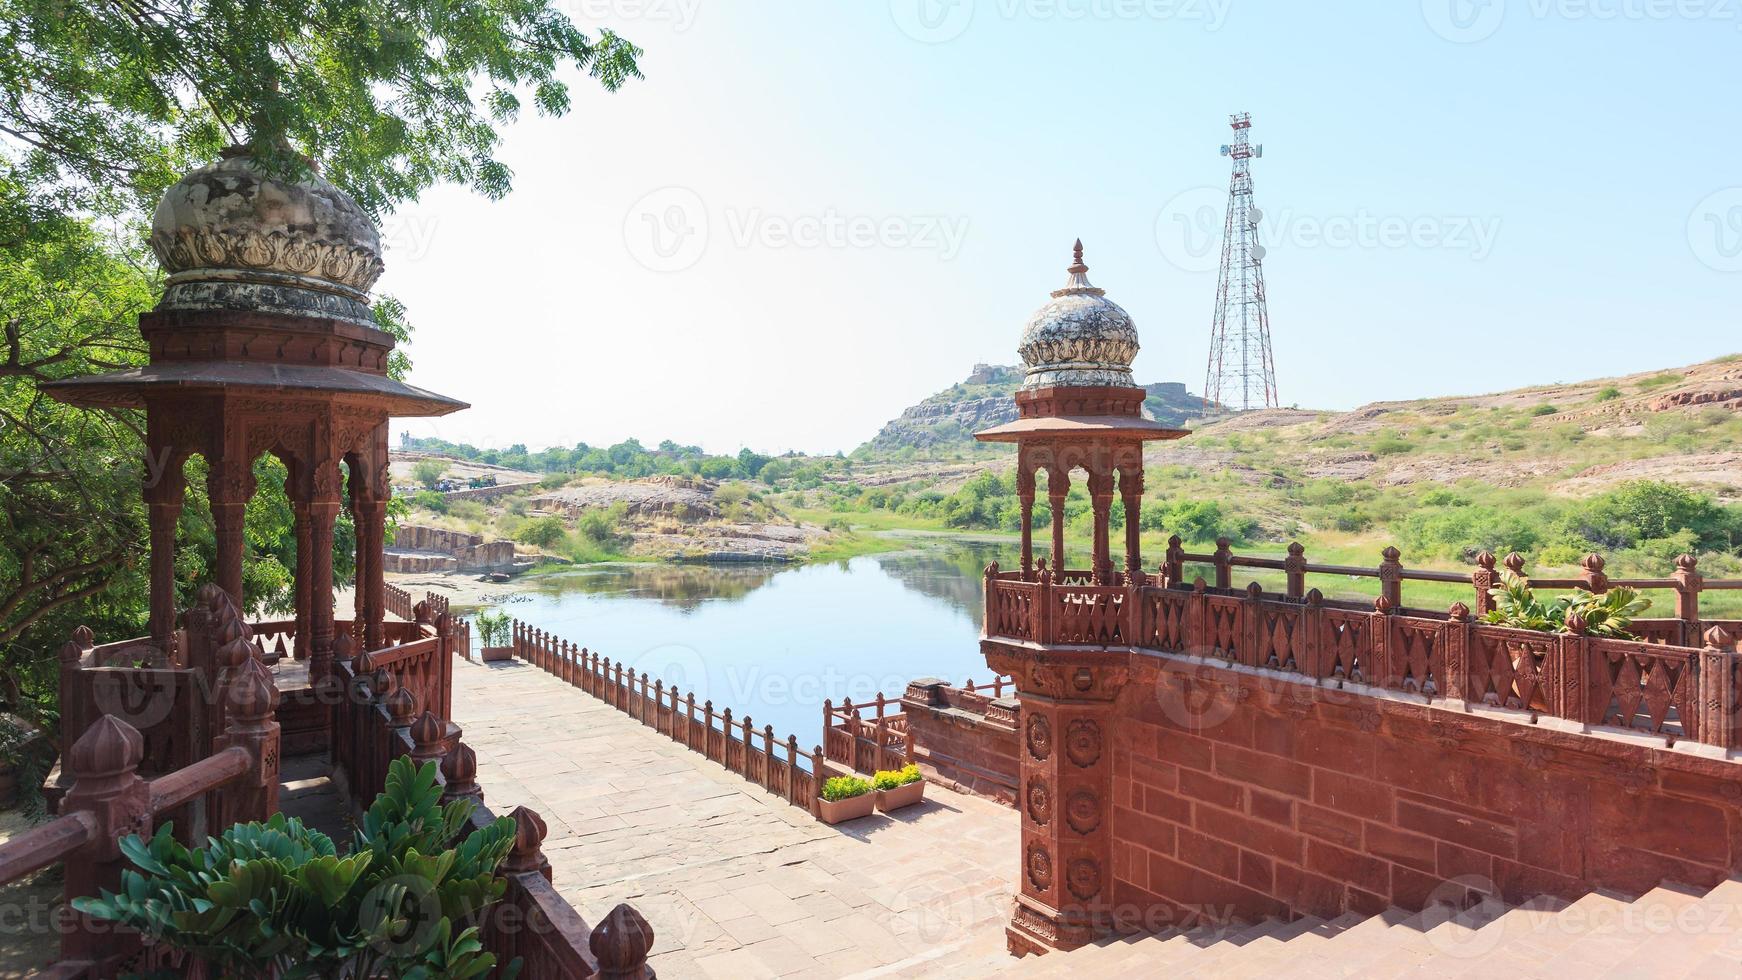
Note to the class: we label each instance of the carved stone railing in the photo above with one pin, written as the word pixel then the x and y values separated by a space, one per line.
pixel 398 601
pixel 866 737
pixel 108 797
pixel 1650 686
pixel 778 766
pixel 380 719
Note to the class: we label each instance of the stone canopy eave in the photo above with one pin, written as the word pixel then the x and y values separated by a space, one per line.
pixel 130 388
pixel 1077 426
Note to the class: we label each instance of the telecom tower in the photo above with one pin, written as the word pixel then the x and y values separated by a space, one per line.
pixel 1241 373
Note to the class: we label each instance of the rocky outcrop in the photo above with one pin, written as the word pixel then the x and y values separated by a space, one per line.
pixel 420 548
pixel 658 496
pixel 984 399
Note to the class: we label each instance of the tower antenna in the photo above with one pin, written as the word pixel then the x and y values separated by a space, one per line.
pixel 1241 373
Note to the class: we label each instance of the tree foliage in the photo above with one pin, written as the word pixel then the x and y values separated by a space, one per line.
pixel 102 106
pixel 391 96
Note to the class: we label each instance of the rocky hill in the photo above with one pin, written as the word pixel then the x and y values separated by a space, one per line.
pixel 949 419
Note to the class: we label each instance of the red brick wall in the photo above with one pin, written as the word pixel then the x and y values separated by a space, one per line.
pixel 1247 796
pixel 966 752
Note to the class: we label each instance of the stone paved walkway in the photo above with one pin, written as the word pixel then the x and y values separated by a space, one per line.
pixel 736 882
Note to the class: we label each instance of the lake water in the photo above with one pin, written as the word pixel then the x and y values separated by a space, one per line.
pixel 775 641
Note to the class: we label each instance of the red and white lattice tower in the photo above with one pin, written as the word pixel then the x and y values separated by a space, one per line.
pixel 1241 374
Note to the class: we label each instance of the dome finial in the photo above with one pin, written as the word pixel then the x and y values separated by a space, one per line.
pixel 1077 266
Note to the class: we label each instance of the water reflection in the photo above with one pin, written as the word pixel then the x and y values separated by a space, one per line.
pixel 775 641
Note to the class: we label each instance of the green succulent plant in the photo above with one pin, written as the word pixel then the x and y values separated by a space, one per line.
pixel 277 899
pixel 1607 615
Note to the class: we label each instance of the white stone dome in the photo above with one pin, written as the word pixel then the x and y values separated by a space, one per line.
pixel 1080 338
pixel 233 238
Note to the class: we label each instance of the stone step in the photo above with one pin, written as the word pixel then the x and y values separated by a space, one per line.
pixel 1509 924
pixel 1216 960
pixel 1169 952
pixel 1442 933
pixel 1710 926
pixel 1532 941
pixel 1612 941
pixel 1345 953
pixel 1267 955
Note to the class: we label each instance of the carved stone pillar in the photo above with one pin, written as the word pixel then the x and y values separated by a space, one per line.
pixel 372 584
pixel 106 784
pixel 1101 496
pixel 1131 491
pixel 229 485
pixel 163 503
pixel 1025 493
pixel 304 573
pixel 1058 485
pixel 323 511
pixel 1065 794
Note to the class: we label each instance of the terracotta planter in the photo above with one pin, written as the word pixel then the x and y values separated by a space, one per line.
pixel 851 808
pixel 496 654
pixel 900 796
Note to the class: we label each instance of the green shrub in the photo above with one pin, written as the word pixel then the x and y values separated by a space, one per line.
pixel 1607 395
pixel 893 778
pixel 1659 380
pixel 839 788
pixel 1543 409
pixel 430 500
pixel 553 481
pixel 542 532
pixel 1390 445
pixel 429 472
pixel 276 899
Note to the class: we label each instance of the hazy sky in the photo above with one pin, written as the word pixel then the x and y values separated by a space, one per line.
pixel 812 214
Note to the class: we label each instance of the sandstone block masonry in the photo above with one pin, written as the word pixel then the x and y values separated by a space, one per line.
pixel 1265 795
pixel 964 739
pixel 419 548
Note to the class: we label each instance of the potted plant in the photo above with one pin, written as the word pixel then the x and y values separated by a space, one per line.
pixel 897 788
pixel 495 633
pixel 279 900
pixel 1607 615
pixel 847 798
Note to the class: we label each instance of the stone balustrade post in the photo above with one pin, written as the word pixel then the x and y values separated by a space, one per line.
pixel 428 738
pixel 1391 576
pixel 1688 583
pixel 460 774
pixel 1294 570
pixel 106 785
pixel 252 700
pixel 1591 570
pixel 1223 560
pixel 1457 652
pixel 1718 692
pixel 1483 579
pixel 620 944
pixel 1174 567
